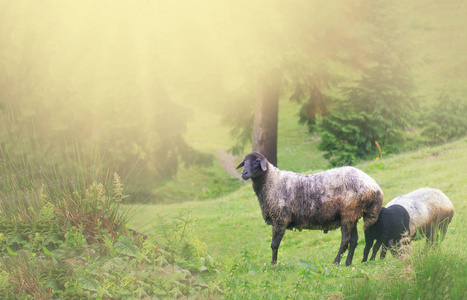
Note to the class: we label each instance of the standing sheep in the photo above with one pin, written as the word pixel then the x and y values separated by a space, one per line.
pixel 392 222
pixel 430 212
pixel 324 201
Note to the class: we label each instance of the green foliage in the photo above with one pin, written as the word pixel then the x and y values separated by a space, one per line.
pixel 125 246
pixel 69 264
pixel 379 105
pixel 312 87
pixel 68 238
pixel 342 138
pixel 238 113
pixel 135 269
pixel 446 120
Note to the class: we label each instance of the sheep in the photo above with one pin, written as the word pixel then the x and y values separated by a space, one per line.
pixel 324 201
pixel 430 212
pixel 392 223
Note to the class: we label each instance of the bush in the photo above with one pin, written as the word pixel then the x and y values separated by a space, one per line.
pixel 67 238
pixel 445 121
pixel 88 252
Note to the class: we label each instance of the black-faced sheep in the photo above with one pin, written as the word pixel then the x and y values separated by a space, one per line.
pixel 430 212
pixel 392 223
pixel 325 201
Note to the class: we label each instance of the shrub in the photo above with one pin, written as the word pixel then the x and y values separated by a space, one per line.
pixel 445 121
pixel 67 238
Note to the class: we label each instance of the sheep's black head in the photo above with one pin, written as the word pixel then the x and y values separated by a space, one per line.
pixel 254 164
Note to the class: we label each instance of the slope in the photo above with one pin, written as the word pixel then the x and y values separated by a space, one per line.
pixel 234 231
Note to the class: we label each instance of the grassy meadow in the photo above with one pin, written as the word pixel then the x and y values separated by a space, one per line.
pixel 236 236
pixel 68 234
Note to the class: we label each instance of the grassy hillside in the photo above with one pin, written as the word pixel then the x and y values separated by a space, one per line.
pixel 235 233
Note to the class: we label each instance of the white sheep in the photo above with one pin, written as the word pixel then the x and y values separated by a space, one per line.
pixel 324 201
pixel 430 212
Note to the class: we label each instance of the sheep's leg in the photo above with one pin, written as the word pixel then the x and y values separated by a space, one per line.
pixel 434 237
pixel 366 251
pixel 353 245
pixel 376 248
pixel 345 239
pixel 394 246
pixel 383 250
pixel 444 229
pixel 430 232
pixel 440 231
pixel 278 231
pixel 395 251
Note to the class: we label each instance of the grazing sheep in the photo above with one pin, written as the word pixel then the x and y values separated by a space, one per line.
pixel 325 201
pixel 392 222
pixel 430 212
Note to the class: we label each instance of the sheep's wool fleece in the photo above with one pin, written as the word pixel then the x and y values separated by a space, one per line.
pixel 320 200
pixel 425 206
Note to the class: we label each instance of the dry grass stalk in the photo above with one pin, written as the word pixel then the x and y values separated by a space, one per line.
pixel 405 252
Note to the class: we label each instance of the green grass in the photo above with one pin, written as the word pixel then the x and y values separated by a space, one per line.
pixel 235 234
pixel 196 183
pixel 206 134
pixel 297 149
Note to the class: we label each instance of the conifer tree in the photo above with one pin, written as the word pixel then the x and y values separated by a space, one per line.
pixel 379 105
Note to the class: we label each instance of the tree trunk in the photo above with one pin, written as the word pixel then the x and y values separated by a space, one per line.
pixel 266 114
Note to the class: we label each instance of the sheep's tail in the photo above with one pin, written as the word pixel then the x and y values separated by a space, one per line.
pixel 371 215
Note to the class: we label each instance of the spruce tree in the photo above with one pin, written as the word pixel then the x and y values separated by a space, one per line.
pixel 379 105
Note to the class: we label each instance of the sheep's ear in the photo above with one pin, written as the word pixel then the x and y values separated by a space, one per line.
pixel 263 164
pixel 241 164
